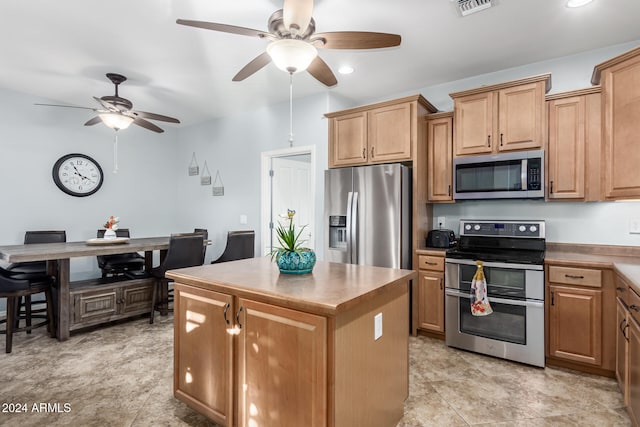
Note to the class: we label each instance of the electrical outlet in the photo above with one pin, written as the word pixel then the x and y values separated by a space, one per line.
pixel 634 226
pixel 243 219
pixel 377 326
pixel 441 221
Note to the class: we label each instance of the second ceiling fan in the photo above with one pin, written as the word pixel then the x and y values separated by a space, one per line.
pixel 294 41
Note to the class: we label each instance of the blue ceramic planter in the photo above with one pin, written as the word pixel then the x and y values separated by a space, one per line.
pixel 297 263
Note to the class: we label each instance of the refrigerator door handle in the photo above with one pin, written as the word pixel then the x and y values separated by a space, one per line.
pixel 349 221
pixel 354 228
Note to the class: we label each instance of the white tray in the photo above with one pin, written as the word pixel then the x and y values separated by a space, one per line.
pixel 117 240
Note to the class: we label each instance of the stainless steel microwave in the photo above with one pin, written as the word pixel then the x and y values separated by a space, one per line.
pixel 514 175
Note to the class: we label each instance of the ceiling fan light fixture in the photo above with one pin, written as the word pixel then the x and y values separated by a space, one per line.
pixel 115 121
pixel 291 55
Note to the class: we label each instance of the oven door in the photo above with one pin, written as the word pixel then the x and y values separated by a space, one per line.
pixel 515 329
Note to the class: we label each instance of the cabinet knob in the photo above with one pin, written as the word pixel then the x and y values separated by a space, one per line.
pixel 226 308
pixel 364 153
pixel 552 301
pixel 238 318
pixel 551 187
pixel 501 140
pixel 573 276
pixel 372 152
pixel 488 140
pixel 449 190
pixel 634 307
pixel 620 289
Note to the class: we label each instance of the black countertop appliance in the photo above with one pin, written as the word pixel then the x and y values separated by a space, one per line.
pixel 442 238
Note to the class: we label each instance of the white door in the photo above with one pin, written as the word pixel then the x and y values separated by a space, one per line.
pixel 292 189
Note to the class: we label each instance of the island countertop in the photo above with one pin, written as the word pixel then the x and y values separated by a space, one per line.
pixel 329 290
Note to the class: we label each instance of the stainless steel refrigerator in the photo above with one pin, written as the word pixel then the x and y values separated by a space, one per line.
pixel 367 216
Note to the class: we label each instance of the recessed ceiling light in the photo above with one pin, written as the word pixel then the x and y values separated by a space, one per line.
pixel 345 69
pixel 577 3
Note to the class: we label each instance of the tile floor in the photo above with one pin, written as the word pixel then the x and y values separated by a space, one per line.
pixel 121 375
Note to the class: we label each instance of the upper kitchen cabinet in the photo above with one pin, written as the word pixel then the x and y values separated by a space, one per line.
pixel 574 154
pixel 620 81
pixel 503 117
pixel 439 157
pixel 379 133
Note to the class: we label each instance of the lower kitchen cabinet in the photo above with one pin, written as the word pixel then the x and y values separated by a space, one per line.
pixel 98 301
pixel 430 293
pixel 633 404
pixel 622 349
pixel 581 315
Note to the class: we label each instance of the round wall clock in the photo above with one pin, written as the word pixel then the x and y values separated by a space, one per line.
pixel 77 175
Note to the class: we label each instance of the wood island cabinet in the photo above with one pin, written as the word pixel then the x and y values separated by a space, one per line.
pixel 633 404
pixel 581 315
pixel 430 292
pixel 503 117
pixel 619 79
pixel 380 133
pixel 440 157
pixel 253 347
pixel 574 153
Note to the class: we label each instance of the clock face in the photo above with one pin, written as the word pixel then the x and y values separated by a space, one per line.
pixel 77 175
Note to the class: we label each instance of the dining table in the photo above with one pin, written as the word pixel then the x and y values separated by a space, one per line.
pixel 58 256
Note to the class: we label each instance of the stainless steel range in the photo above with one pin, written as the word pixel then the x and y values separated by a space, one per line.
pixel 513 256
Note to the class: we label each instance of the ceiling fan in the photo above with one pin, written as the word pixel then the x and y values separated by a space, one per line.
pixel 118 113
pixel 294 41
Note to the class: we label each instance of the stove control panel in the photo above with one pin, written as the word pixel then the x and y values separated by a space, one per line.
pixel 523 229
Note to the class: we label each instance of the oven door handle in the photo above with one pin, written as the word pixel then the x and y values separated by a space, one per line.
pixel 529 303
pixel 495 264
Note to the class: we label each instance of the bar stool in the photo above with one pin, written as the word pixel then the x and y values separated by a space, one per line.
pixel 14 286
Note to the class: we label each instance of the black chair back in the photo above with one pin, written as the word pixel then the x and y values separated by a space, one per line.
pixel 240 245
pixel 119 264
pixel 185 250
pixel 205 233
pixel 120 232
pixel 45 236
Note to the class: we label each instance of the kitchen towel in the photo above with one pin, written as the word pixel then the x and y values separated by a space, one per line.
pixel 479 300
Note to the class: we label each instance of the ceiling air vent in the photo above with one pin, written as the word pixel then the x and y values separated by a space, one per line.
pixel 468 7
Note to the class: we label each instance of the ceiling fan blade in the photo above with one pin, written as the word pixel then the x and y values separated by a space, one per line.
pixel 356 40
pixel 321 71
pixel 66 106
pixel 256 64
pixel 153 116
pixel 147 125
pixel 223 27
pixel 109 106
pixel 297 13
pixel 93 121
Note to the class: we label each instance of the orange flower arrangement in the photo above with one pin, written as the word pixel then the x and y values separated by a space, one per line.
pixel 112 223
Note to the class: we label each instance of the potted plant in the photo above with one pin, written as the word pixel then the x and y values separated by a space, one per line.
pixel 291 257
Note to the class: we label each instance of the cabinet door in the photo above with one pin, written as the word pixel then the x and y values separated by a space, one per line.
pixel 621 93
pixel 136 299
pixel 473 120
pixel 575 324
pixel 566 148
pixel 431 301
pixel 390 133
pixel 348 140
pixel 521 117
pixel 622 348
pixel 91 307
pixel 634 371
pixel 203 362
pixel 282 367
pixel 439 159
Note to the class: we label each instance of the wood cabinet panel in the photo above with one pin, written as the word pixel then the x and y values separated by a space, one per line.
pixel 520 118
pixel 390 133
pixel 348 140
pixel 575 276
pixel 95 306
pixel 440 159
pixel 137 299
pixel 281 367
pixel 430 262
pixel 634 371
pixel 621 93
pixel 203 352
pixel 622 349
pixel 473 120
pixel 431 301
pixel 575 324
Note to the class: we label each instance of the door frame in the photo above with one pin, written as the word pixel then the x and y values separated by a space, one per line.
pixel 266 157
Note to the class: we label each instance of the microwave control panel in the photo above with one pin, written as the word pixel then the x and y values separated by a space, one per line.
pixel 534 175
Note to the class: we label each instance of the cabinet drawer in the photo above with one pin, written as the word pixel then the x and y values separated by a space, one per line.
pixel 634 305
pixel 427 262
pixel 575 276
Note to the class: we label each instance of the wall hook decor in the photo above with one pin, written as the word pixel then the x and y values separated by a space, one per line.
pixel 193 166
pixel 218 186
pixel 205 178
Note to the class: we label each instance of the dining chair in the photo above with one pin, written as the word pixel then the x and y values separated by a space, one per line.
pixel 13 287
pixel 185 250
pixel 205 233
pixel 119 264
pixel 240 245
pixel 39 236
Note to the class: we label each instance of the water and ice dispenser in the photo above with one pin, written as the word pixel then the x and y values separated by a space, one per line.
pixel 338 232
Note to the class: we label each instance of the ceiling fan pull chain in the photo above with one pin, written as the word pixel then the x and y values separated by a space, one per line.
pixel 290 109
pixel 115 152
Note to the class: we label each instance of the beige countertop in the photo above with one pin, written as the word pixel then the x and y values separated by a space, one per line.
pixel 330 289
pixel 627 266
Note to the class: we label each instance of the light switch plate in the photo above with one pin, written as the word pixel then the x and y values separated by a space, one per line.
pixel 634 226
pixel 377 326
pixel 243 219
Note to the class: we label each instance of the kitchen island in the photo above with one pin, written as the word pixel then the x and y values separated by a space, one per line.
pixel 256 347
